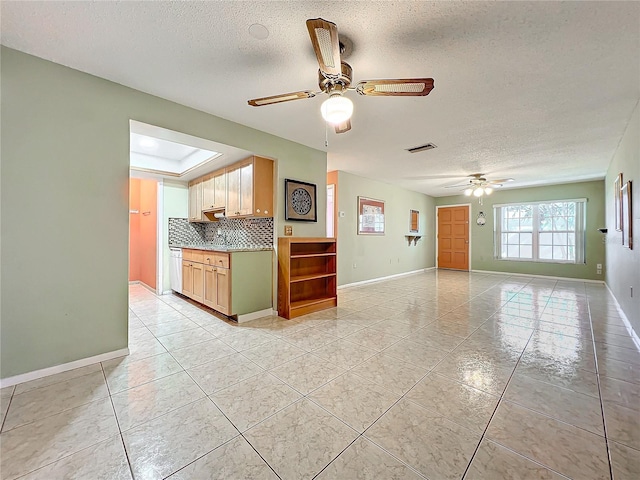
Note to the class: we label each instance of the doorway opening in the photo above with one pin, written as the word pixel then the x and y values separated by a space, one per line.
pixel 162 162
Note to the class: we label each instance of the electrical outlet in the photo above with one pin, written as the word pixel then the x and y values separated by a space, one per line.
pixel 288 230
pixel 599 266
pixel 354 265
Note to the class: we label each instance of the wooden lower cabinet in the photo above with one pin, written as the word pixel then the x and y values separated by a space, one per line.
pixel 198 281
pixel 217 289
pixel 209 286
pixel 187 278
pixel 207 278
pixel 193 280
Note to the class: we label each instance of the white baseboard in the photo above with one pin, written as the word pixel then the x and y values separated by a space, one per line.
pixel 625 320
pixel 380 279
pixel 247 317
pixel 564 279
pixel 167 292
pixel 45 372
pixel 141 283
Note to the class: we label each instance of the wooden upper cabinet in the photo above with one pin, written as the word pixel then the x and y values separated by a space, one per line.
pixel 250 188
pixel 233 192
pixel 214 190
pixel 195 200
pixel 244 189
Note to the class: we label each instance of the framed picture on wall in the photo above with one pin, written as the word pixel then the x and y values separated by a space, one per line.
pixel 627 215
pixel 414 221
pixel 300 201
pixel 370 216
pixel 617 187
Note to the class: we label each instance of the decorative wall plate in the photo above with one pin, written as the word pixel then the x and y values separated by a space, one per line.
pixel 300 201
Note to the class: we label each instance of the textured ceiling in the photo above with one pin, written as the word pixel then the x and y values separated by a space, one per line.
pixel 537 91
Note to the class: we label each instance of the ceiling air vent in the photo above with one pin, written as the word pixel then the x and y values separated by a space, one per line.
pixel 422 148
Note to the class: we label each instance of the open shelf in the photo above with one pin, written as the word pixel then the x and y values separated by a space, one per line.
pixel 304 278
pixel 311 255
pixel 310 302
pixel 307 278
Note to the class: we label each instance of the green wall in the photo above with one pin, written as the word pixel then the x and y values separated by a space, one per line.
pixel 64 204
pixel 482 249
pixel 389 254
pixel 623 264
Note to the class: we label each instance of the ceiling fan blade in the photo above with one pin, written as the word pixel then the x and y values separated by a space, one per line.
pixel 500 182
pixel 396 87
pixel 459 186
pixel 343 127
pixel 285 97
pixel 324 38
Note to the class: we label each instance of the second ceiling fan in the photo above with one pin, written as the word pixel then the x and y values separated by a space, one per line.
pixel 335 80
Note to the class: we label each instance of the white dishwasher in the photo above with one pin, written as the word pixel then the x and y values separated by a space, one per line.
pixel 175 269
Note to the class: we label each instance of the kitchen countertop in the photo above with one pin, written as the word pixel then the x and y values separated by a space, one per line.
pixel 216 248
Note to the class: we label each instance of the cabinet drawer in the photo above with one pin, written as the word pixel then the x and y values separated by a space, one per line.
pixel 217 259
pixel 193 255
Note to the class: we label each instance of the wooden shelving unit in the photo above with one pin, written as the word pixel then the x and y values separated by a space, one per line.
pixel 306 275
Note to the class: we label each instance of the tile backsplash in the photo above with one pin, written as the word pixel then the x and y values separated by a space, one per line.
pixel 234 232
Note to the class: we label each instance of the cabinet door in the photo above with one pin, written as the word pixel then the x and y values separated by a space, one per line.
pixel 262 187
pixel 187 279
pixel 208 193
pixel 195 202
pixel 233 192
pixel 220 186
pixel 246 189
pixel 198 281
pixel 223 290
pixel 209 298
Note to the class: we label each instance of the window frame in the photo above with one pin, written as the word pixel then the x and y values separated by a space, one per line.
pixel 579 259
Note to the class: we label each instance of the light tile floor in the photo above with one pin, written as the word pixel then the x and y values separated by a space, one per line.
pixel 440 375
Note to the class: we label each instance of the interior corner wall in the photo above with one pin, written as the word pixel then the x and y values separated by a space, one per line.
pixel 65 135
pixel 482 241
pixel 175 205
pixel 623 264
pixel 376 256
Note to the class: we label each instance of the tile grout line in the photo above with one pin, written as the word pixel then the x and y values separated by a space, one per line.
pixel 484 432
pixel 115 415
pixel 6 414
pixel 604 423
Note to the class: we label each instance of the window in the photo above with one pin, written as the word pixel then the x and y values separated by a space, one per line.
pixel 541 231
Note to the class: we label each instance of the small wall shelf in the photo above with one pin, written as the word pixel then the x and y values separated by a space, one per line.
pixel 413 237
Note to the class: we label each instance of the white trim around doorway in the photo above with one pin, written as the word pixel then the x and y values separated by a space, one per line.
pixel 468 227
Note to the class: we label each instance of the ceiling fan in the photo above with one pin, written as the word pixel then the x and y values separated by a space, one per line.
pixel 478 185
pixel 335 79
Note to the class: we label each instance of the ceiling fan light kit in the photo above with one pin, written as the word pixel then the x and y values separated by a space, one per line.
pixel 479 185
pixel 335 79
pixel 336 109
